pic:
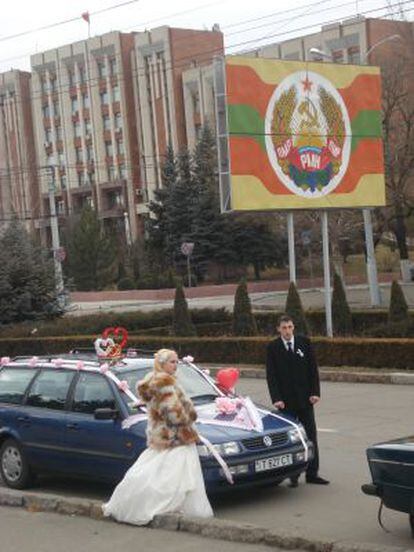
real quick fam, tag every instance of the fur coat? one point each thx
(170, 413)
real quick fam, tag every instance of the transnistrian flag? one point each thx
(304, 135)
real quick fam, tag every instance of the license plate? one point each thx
(273, 462)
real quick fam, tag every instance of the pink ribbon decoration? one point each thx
(33, 361)
(4, 360)
(80, 365)
(104, 368)
(123, 385)
(57, 362)
(188, 359)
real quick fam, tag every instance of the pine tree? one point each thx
(295, 310)
(244, 322)
(398, 310)
(91, 254)
(27, 282)
(341, 313)
(182, 324)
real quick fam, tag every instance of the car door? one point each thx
(13, 384)
(97, 448)
(45, 418)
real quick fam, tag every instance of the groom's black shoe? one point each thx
(316, 480)
(293, 482)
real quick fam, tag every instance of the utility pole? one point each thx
(54, 229)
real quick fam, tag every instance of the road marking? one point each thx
(326, 430)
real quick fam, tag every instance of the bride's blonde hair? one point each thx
(161, 357)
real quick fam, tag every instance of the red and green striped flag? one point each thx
(304, 135)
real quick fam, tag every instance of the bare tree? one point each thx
(398, 128)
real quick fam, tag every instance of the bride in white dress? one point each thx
(167, 476)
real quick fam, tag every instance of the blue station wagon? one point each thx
(57, 418)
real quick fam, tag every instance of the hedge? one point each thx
(374, 353)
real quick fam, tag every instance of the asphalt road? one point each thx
(350, 417)
(23, 531)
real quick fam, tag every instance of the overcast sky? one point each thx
(245, 24)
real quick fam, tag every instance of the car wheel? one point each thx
(14, 468)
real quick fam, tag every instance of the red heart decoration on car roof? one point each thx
(117, 332)
(227, 378)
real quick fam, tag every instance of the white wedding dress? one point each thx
(160, 482)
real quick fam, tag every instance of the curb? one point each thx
(219, 529)
(326, 374)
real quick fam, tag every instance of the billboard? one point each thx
(300, 135)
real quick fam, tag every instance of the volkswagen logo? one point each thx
(267, 441)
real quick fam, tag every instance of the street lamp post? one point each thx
(55, 230)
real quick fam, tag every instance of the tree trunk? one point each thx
(401, 233)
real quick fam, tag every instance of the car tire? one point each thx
(14, 468)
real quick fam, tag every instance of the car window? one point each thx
(194, 384)
(13, 384)
(92, 391)
(50, 388)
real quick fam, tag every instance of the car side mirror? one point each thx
(105, 414)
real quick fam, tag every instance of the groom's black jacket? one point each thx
(292, 377)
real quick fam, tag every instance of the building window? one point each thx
(111, 173)
(89, 153)
(116, 94)
(71, 77)
(104, 97)
(198, 131)
(120, 147)
(102, 69)
(196, 102)
(63, 181)
(61, 157)
(82, 76)
(61, 207)
(81, 178)
(43, 85)
(86, 104)
(123, 171)
(109, 150)
(91, 177)
(112, 66)
(77, 131)
(74, 105)
(56, 110)
(354, 55)
(46, 110)
(118, 121)
(48, 135)
(106, 122)
(338, 56)
(88, 127)
(52, 84)
(79, 155)
(50, 160)
(59, 136)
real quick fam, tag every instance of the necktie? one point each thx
(289, 347)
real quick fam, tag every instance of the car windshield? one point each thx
(195, 385)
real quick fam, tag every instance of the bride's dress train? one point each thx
(159, 482)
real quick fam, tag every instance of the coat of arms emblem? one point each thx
(308, 134)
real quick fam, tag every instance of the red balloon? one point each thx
(227, 378)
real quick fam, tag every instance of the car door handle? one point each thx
(72, 426)
(22, 418)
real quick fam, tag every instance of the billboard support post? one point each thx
(326, 274)
(291, 247)
(372, 273)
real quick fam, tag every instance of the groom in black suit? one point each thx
(293, 380)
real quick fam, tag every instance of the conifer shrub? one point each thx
(398, 310)
(295, 310)
(244, 322)
(341, 313)
(182, 324)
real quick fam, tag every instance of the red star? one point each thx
(307, 84)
